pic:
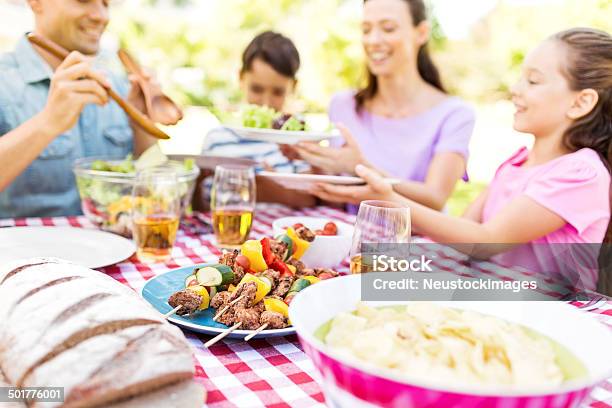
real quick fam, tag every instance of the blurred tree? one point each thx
(195, 46)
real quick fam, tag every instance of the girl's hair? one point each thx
(590, 67)
(275, 50)
(427, 70)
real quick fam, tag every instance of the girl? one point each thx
(557, 192)
(403, 122)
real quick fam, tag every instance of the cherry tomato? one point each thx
(325, 275)
(243, 261)
(297, 225)
(331, 228)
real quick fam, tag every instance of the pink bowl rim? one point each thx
(569, 386)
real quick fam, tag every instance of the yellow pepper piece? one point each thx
(263, 287)
(311, 279)
(231, 288)
(276, 305)
(299, 245)
(201, 290)
(252, 249)
(292, 268)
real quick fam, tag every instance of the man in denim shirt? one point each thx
(52, 114)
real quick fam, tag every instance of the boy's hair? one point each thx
(275, 50)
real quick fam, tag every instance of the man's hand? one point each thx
(74, 84)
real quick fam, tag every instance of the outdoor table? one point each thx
(272, 372)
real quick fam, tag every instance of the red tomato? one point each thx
(325, 275)
(297, 225)
(243, 261)
(330, 228)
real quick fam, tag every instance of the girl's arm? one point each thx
(444, 171)
(520, 221)
(474, 210)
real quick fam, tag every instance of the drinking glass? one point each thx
(232, 202)
(378, 222)
(155, 213)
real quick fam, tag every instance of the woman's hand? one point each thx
(376, 188)
(333, 160)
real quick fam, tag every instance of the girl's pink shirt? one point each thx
(576, 187)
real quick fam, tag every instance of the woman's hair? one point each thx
(427, 70)
(275, 50)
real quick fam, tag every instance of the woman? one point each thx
(402, 123)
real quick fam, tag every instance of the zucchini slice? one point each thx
(215, 275)
(190, 281)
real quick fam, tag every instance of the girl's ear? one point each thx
(583, 104)
(423, 30)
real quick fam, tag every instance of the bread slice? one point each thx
(143, 357)
(69, 326)
(186, 394)
(4, 383)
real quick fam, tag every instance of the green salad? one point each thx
(261, 117)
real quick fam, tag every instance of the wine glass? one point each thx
(378, 222)
(232, 202)
(155, 212)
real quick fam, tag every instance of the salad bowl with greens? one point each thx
(264, 124)
(105, 187)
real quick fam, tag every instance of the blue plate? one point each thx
(157, 290)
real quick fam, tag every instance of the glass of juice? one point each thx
(155, 213)
(232, 203)
(378, 222)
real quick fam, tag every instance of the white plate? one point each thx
(87, 247)
(282, 136)
(297, 181)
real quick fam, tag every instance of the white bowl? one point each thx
(348, 382)
(326, 251)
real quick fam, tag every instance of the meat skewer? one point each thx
(256, 332)
(226, 307)
(222, 335)
(173, 311)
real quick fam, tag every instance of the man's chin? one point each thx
(88, 49)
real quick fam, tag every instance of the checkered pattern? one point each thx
(264, 372)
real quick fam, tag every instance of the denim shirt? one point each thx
(47, 187)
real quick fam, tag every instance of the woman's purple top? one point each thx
(405, 147)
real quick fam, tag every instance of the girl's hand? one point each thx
(333, 160)
(376, 188)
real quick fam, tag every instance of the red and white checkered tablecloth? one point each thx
(271, 372)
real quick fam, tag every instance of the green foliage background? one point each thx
(196, 45)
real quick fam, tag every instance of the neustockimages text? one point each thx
(457, 284)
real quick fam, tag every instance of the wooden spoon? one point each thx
(61, 53)
(159, 107)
